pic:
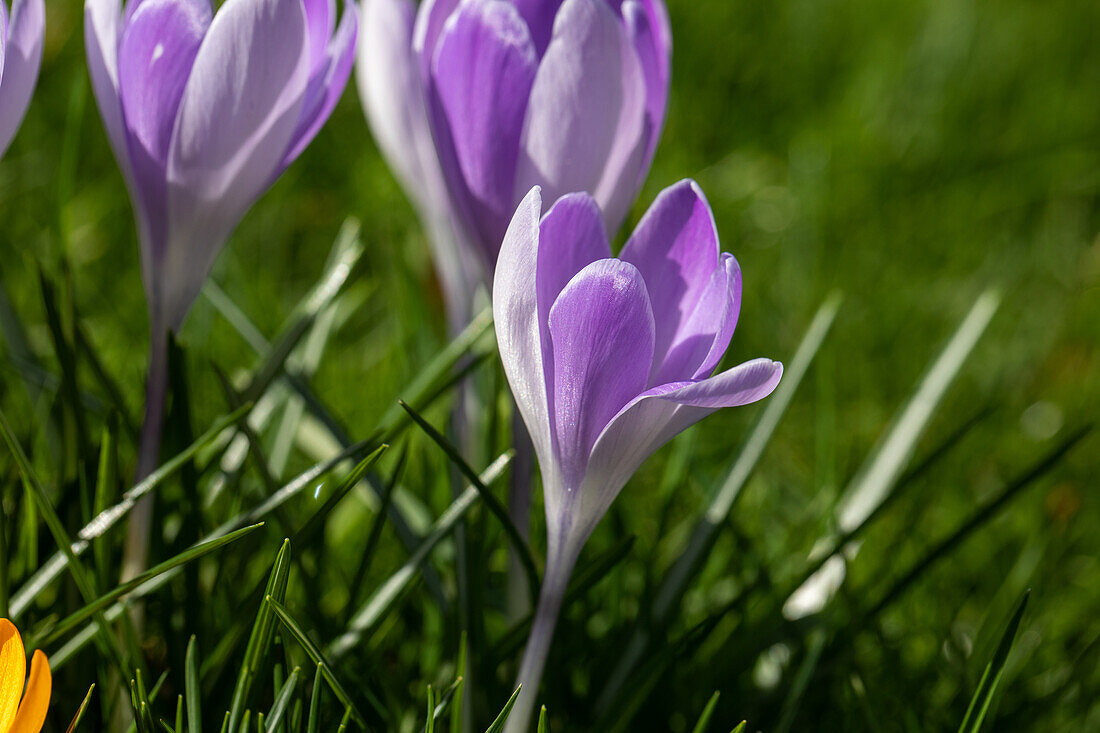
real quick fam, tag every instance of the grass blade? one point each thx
(192, 690)
(707, 714)
(282, 700)
(994, 671)
(318, 658)
(262, 632)
(498, 724)
(107, 599)
(491, 501)
(383, 600)
(107, 519)
(878, 477)
(80, 711)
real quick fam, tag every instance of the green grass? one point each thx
(910, 156)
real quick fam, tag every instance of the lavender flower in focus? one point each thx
(609, 359)
(473, 102)
(21, 36)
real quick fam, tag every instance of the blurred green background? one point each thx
(909, 154)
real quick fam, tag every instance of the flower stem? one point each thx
(136, 554)
(559, 566)
(519, 508)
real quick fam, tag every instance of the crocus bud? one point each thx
(610, 358)
(204, 111)
(21, 37)
(473, 102)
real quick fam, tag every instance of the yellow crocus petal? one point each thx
(13, 670)
(32, 711)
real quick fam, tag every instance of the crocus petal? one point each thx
(19, 61)
(655, 417)
(585, 122)
(239, 110)
(539, 16)
(675, 247)
(13, 670)
(482, 74)
(101, 29)
(430, 20)
(321, 20)
(36, 701)
(601, 328)
(155, 55)
(392, 94)
(571, 236)
(703, 337)
(655, 61)
(326, 84)
(515, 314)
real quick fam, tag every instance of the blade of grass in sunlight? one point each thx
(879, 475)
(994, 671)
(498, 724)
(367, 618)
(80, 711)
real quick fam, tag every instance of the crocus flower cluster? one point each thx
(21, 36)
(204, 111)
(473, 102)
(22, 712)
(608, 359)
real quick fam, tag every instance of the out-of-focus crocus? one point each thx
(473, 102)
(21, 36)
(204, 111)
(608, 359)
(22, 712)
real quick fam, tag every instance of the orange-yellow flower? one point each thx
(29, 716)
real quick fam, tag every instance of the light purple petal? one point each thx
(102, 19)
(655, 60)
(585, 123)
(675, 247)
(601, 328)
(482, 73)
(539, 16)
(654, 418)
(155, 54)
(430, 19)
(19, 63)
(326, 84)
(703, 337)
(239, 109)
(321, 20)
(392, 95)
(515, 315)
(571, 237)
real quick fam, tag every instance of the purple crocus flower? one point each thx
(609, 358)
(473, 102)
(204, 111)
(21, 37)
